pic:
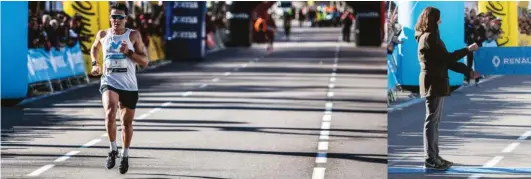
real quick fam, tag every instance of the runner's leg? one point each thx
(110, 104)
(127, 114)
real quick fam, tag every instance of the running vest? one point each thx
(119, 70)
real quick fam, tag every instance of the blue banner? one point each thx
(75, 59)
(185, 29)
(503, 60)
(14, 49)
(408, 13)
(54, 64)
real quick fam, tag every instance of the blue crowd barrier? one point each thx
(503, 60)
(55, 64)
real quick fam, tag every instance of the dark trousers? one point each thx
(346, 33)
(434, 108)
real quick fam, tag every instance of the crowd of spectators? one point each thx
(482, 28)
(53, 30)
(524, 22)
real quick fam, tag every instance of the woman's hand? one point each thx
(474, 74)
(473, 47)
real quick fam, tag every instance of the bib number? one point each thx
(116, 63)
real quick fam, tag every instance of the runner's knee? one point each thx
(110, 111)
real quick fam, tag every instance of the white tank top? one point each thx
(119, 70)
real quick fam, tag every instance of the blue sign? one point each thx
(54, 64)
(408, 13)
(185, 29)
(503, 60)
(14, 48)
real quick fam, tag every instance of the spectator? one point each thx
(482, 28)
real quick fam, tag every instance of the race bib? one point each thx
(116, 62)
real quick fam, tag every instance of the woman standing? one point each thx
(435, 61)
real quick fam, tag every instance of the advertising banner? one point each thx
(185, 29)
(95, 17)
(45, 65)
(508, 12)
(503, 60)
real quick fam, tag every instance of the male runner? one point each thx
(122, 50)
(265, 23)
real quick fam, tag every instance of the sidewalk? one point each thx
(485, 131)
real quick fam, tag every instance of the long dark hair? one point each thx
(427, 21)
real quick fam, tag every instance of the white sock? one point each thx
(113, 146)
(125, 152)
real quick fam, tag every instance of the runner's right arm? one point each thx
(95, 49)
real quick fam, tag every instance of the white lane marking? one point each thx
(244, 65)
(215, 79)
(66, 156)
(187, 93)
(322, 146)
(90, 143)
(324, 135)
(507, 149)
(491, 163)
(332, 79)
(41, 170)
(325, 126)
(335, 65)
(475, 176)
(318, 173)
(327, 117)
(153, 110)
(321, 157)
(511, 147)
(525, 135)
(143, 116)
(95, 141)
(330, 94)
(329, 106)
(333, 74)
(494, 161)
(331, 85)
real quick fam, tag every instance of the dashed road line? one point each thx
(95, 141)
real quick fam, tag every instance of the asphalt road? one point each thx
(485, 131)
(238, 115)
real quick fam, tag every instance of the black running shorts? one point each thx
(126, 98)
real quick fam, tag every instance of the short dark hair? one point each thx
(119, 6)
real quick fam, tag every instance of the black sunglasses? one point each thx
(118, 16)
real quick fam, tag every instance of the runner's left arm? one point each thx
(140, 56)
